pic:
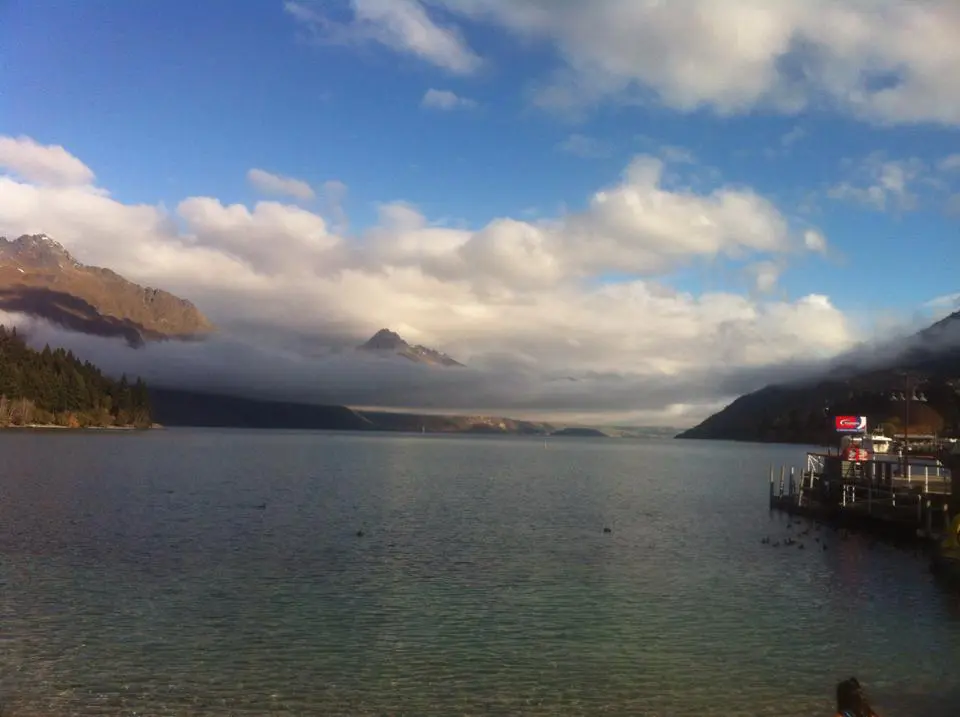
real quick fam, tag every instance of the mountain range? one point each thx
(388, 343)
(912, 384)
(40, 278)
(175, 407)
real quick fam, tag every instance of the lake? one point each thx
(184, 572)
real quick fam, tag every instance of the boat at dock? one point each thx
(879, 444)
(875, 443)
(880, 449)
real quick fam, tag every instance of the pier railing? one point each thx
(831, 487)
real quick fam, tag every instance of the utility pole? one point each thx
(910, 386)
(906, 428)
(828, 432)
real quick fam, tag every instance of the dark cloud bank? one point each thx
(257, 367)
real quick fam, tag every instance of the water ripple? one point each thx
(221, 573)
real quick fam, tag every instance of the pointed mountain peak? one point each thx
(40, 241)
(39, 277)
(385, 340)
(35, 250)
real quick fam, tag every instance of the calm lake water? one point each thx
(220, 573)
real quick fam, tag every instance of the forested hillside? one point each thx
(53, 387)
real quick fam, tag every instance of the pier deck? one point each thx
(871, 496)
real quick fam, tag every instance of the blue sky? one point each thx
(178, 99)
(172, 100)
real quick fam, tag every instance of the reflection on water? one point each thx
(215, 573)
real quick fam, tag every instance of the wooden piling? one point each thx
(771, 485)
(953, 463)
(864, 499)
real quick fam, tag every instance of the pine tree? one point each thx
(54, 385)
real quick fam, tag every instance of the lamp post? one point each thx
(828, 433)
(908, 395)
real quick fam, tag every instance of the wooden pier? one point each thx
(870, 496)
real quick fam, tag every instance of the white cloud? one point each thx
(106, 232)
(334, 196)
(765, 275)
(45, 164)
(815, 241)
(888, 61)
(677, 155)
(939, 308)
(948, 301)
(873, 195)
(887, 184)
(403, 25)
(445, 100)
(785, 145)
(522, 301)
(639, 226)
(883, 183)
(793, 136)
(950, 163)
(276, 184)
(581, 145)
(274, 239)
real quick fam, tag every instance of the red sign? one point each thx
(851, 424)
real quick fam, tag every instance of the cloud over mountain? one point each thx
(584, 295)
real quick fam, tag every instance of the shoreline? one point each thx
(56, 427)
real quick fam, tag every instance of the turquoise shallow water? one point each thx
(220, 573)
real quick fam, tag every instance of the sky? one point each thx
(656, 204)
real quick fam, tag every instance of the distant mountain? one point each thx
(176, 407)
(387, 342)
(802, 412)
(640, 431)
(581, 432)
(434, 423)
(39, 277)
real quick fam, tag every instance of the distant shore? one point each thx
(56, 427)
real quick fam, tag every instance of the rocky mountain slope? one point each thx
(927, 368)
(39, 277)
(386, 342)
